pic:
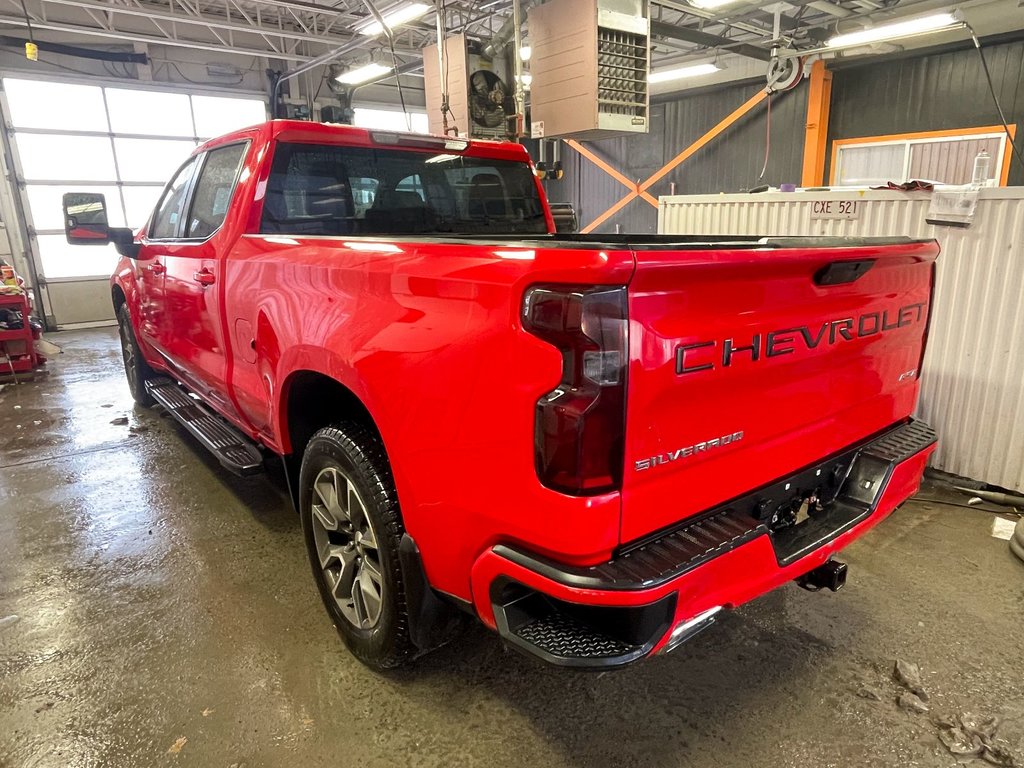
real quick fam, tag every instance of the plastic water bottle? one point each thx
(981, 164)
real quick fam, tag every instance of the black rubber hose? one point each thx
(74, 50)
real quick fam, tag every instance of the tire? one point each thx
(136, 369)
(353, 546)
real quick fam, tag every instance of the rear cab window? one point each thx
(322, 189)
(213, 190)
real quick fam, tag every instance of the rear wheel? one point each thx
(136, 369)
(352, 527)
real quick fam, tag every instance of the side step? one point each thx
(233, 450)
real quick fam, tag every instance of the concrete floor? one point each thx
(166, 615)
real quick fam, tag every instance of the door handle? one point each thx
(204, 277)
(157, 268)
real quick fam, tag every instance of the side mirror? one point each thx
(85, 223)
(85, 218)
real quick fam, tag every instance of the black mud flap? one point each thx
(433, 621)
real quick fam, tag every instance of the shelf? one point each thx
(18, 334)
(21, 365)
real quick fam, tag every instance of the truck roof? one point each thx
(332, 133)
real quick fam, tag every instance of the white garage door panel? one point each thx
(81, 302)
(122, 142)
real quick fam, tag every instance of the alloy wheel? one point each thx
(346, 545)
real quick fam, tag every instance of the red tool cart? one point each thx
(17, 345)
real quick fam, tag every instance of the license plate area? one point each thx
(816, 510)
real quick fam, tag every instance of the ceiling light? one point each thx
(362, 74)
(678, 73)
(933, 23)
(710, 4)
(525, 52)
(395, 18)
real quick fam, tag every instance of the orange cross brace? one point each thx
(640, 190)
(608, 214)
(735, 115)
(610, 170)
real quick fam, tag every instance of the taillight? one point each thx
(580, 425)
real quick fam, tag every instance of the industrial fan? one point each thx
(490, 100)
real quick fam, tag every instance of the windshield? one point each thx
(323, 189)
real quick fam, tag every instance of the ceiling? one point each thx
(296, 31)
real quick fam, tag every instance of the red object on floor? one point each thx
(17, 345)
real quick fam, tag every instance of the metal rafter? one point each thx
(269, 28)
(296, 31)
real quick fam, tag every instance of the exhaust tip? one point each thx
(830, 575)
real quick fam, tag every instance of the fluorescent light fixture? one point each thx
(710, 4)
(678, 73)
(396, 18)
(933, 23)
(362, 74)
(525, 52)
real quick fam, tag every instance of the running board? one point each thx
(233, 450)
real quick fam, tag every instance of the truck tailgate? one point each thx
(748, 363)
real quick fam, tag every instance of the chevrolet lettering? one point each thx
(704, 355)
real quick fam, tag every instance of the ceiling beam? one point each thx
(19, 21)
(706, 39)
(197, 20)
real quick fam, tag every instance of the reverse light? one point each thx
(580, 425)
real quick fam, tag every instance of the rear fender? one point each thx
(295, 360)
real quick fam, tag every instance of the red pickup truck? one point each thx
(593, 444)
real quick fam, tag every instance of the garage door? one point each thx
(125, 142)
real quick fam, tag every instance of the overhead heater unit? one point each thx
(589, 62)
(480, 96)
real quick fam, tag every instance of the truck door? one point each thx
(192, 337)
(153, 253)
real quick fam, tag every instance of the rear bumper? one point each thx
(657, 593)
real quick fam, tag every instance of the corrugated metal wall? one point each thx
(973, 381)
(731, 162)
(932, 92)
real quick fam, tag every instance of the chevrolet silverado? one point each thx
(593, 444)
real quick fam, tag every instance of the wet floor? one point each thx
(155, 610)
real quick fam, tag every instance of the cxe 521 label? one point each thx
(708, 355)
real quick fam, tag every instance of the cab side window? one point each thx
(169, 209)
(214, 190)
